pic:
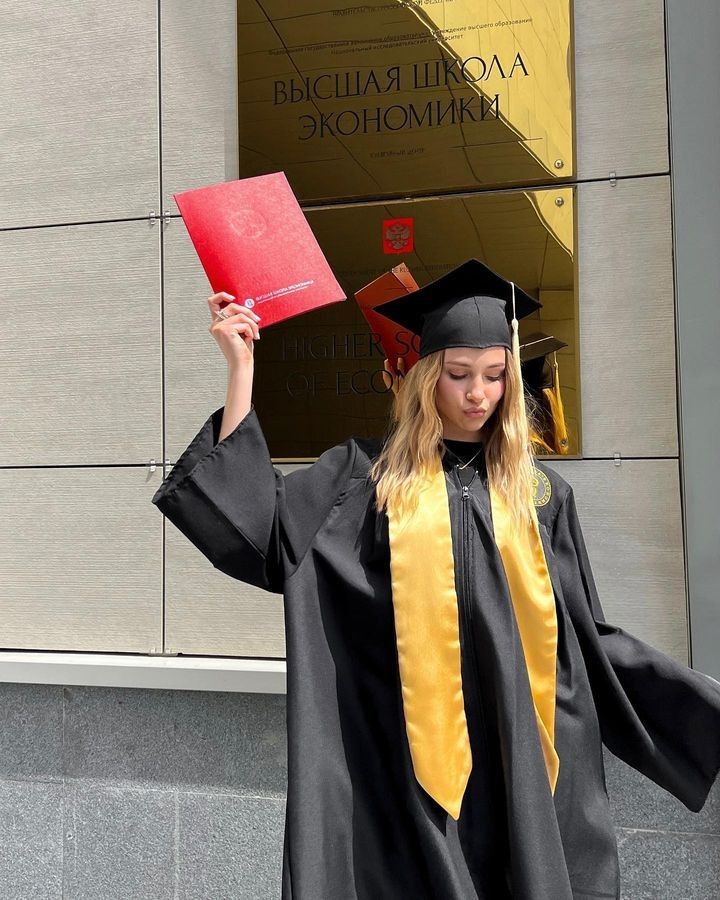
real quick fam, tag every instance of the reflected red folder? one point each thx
(254, 242)
(395, 340)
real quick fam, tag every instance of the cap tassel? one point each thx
(524, 431)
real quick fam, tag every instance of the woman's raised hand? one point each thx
(394, 379)
(235, 334)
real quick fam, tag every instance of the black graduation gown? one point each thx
(358, 824)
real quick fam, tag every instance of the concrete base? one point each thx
(121, 792)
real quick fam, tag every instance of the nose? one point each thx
(476, 393)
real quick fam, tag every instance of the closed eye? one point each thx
(490, 377)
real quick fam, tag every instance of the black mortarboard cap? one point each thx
(538, 344)
(533, 363)
(469, 306)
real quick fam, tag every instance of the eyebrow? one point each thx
(467, 365)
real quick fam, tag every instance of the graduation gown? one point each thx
(358, 824)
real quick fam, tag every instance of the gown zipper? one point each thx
(470, 645)
(465, 604)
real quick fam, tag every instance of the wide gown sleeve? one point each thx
(656, 714)
(249, 519)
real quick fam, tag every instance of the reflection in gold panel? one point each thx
(402, 98)
(318, 376)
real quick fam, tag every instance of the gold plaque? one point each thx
(407, 98)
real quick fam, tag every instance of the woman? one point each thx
(450, 673)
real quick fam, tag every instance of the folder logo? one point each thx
(398, 235)
(247, 223)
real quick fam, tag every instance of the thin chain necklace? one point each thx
(464, 465)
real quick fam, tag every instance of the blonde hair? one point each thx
(413, 442)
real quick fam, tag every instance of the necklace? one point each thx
(464, 465)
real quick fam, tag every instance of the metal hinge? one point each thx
(613, 179)
(618, 458)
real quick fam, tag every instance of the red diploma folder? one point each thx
(255, 243)
(395, 341)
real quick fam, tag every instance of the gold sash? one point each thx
(425, 608)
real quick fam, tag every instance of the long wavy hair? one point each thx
(413, 442)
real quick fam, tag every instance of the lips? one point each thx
(475, 412)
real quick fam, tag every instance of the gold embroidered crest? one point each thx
(542, 488)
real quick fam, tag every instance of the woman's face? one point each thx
(470, 386)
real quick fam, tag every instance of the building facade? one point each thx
(141, 690)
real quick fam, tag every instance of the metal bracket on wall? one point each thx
(152, 465)
(164, 217)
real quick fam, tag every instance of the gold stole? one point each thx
(425, 607)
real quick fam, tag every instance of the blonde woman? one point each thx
(451, 677)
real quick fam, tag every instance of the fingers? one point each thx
(388, 376)
(233, 315)
(231, 322)
(392, 379)
(240, 322)
(245, 329)
(216, 301)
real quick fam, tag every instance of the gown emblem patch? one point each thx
(542, 488)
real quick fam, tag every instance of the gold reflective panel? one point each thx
(404, 97)
(318, 377)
